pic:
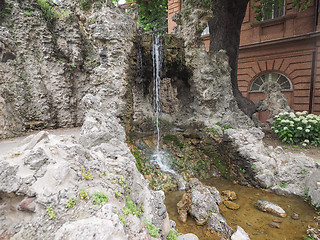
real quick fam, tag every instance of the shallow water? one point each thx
(253, 221)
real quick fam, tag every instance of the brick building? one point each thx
(284, 47)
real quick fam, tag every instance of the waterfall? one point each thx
(159, 157)
(157, 67)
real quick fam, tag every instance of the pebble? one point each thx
(295, 216)
(274, 225)
(248, 224)
(277, 221)
(231, 205)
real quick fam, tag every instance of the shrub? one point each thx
(152, 229)
(173, 235)
(99, 198)
(49, 12)
(296, 128)
(71, 202)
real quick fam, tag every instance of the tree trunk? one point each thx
(225, 28)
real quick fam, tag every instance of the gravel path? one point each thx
(8, 144)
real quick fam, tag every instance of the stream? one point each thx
(253, 221)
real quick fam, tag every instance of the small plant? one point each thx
(283, 184)
(28, 13)
(71, 202)
(152, 229)
(123, 220)
(85, 5)
(50, 213)
(303, 171)
(173, 235)
(130, 208)
(298, 127)
(84, 194)
(48, 11)
(86, 173)
(99, 198)
(102, 174)
(117, 194)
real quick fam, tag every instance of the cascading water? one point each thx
(159, 157)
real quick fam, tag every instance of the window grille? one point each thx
(259, 83)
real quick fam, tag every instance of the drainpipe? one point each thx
(316, 16)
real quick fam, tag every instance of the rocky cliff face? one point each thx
(48, 66)
(58, 187)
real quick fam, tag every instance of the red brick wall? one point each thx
(281, 45)
(174, 6)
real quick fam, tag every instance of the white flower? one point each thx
(285, 128)
(291, 122)
(285, 113)
(309, 126)
(299, 128)
(292, 115)
(276, 131)
(306, 141)
(307, 130)
(304, 121)
(299, 113)
(303, 144)
(304, 112)
(296, 119)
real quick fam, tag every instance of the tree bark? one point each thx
(225, 29)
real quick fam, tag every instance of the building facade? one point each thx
(284, 47)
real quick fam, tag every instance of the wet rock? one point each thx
(183, 205)
(240, 234)
(27, 205)
(216, 223)
(188, 236)
(231, 205)
(313, 233)
(295, 216)
(274, 225)
(270, 207)
(277, 221)
(228, 195)
(204, 199)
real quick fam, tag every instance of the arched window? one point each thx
(259, 83)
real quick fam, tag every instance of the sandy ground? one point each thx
(8, 144)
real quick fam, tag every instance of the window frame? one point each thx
(264, 81)
(273, 11)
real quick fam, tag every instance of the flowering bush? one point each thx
(295, 128)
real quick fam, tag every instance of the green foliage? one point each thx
(84, 194)
(100, 198)
(172, 138)
(5, 9)
(85, 5)
(283, 184)
(86, 173)
(152, 229)
(123, 220)
(173, 235)
(50, 213)
(71, 202)
(117, 194)
(153, 15)
(300, 128)
(215, 130)
(49, 13)
(130, 208)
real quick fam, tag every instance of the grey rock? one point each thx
(204, 199)
(270, 207)
(91, 228)
(219, 225)
(188, 236)
(240, 234)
